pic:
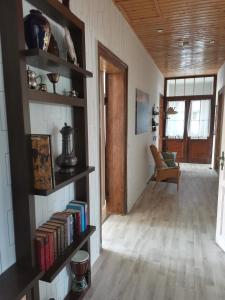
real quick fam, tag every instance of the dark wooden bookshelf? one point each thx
(58, 12)
(62, 180)
(65, 258)
(16, 281)
(45, 97)
(49, 62)
(22, 278)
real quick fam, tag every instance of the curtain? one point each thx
(175, 123)
(199, 119)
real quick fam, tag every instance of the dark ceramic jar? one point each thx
(37, 30)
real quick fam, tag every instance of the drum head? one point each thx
(80, 256)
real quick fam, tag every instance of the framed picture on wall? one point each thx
(142, 112)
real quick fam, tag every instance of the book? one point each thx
(56, 227)
(43, 176)
(76, 221)
(79, 207)
(71, 224)
(63, 216)
(51, 245)
(63, 236)
(54, 237)
(46, 248)
(40, 253)
(85, 210)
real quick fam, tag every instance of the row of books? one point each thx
(53, 237)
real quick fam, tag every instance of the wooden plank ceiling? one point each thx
(184, 37)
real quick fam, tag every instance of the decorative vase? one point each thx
(37, 30)
(67, 160)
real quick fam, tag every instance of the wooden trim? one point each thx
(189, 76)
(188, 98)
(218, 127)
(117, 62)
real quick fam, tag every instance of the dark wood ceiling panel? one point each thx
(184, 47)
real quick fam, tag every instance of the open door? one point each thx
(220, 229)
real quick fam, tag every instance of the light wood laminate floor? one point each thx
(165, 248)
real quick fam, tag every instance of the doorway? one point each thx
(189, 122)
(113, 133)
(219, 126)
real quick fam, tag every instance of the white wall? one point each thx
(104, 23)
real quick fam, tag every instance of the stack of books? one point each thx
(63, 228)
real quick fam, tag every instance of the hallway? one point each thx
(165, 248)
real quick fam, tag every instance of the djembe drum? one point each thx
(79, 266)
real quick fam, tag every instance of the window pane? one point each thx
(175, 123)
(199, 85)
(199, 119)
(179, 87)
(170, 87)
(189, 86)
(208, 86)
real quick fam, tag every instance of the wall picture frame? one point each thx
(142, 123)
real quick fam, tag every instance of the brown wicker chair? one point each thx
(162, 171)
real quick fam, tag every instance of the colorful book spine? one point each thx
(50, 245)
(85, 210)
(79, 207)
(63, 216)
(40, 253)
(76, 221)
(46, 249)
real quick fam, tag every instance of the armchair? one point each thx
(162, 171)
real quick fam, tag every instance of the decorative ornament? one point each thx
(67, 160)
(37, 30)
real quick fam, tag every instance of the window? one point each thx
(199, 119)
(190, 86)
(175, 123)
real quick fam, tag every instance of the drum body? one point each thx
(79, 266)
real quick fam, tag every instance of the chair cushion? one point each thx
(170, 158)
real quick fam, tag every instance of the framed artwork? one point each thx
(43, 175)
(142, 112)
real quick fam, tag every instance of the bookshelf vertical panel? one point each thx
(14, 67)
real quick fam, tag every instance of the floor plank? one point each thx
(165, 248)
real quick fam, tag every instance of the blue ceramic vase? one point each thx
(37, 30)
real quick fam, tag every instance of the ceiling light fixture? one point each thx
(212, 42)
(160, 30)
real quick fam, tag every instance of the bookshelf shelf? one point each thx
(64, 259)
(45, 97)
(17, 280)
(61, 180)
(59, 13)
(49, 62)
